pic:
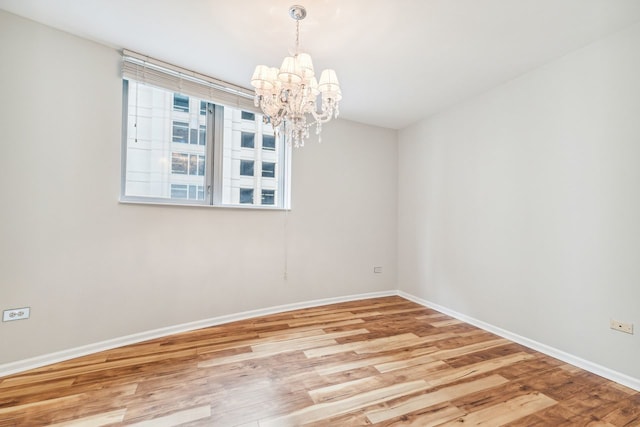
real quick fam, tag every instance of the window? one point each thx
(246, 195)
(196, 164)
(179, 191)
(187, 164)
(268, 197)
(179, 163)
(246, 167)
(247, 140)
(183, 191)
(185, 148)
(181, 132)
(268, 170)
(268, 142)
(180, 103)
(202, 137)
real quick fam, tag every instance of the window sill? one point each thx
(159, 202)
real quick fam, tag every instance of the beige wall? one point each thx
(521, 207)
(92, 269)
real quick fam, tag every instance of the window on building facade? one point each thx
(184, 191)
(181, 103)
(246, 195)
(187, 164)
(246, 167)
(268, 197)
(202, 136)
(179, 163)
(268, 142)
(185, 149)
(179, 191)
(180, 132)
(268, 170)
(248, 140)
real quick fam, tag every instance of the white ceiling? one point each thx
(397, 60)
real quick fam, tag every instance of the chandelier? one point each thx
(288, 96)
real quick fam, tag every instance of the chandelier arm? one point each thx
(323, 116)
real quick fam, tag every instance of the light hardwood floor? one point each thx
(384, 361)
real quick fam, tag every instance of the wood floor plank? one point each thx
(470, 348)
(343, 365)
(263, 354)
(503, 413)
(97, 420)
(415, 403)
(466, 372)
(431, 316)
(430, 417)
(176, 418)
(444, 323)
(6, 412)
(311, 328)
(345, 389)
(325, 318)
(73, 406)
(264, 338)
(301, 342)
(369, 346)
(12, 393)
(625, 412)
(424, 364)
(392, 312)
(384, 361)
(73, 371)
(438, 355)
(320, 411)
(376, 345)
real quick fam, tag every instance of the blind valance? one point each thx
(158, 73)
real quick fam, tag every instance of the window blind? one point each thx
(154, 72)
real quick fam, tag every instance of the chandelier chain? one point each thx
(297, 36)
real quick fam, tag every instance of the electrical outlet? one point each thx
(621, 326)
(377, 270)
(16, 314)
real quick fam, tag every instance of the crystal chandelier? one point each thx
(288, 95)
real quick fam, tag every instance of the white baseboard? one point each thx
(60, 356)
(47, 359)
(600, 370)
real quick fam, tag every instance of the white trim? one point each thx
(60, 356)
(587, 365)
(47, 359)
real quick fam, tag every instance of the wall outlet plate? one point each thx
(621, 326)
(16, 314)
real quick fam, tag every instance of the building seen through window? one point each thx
(268, 197)
(180, 103)
(170, 148)
(248, 140)
(246, 167)
(246, 195)
(268, 142)
(268, 170)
